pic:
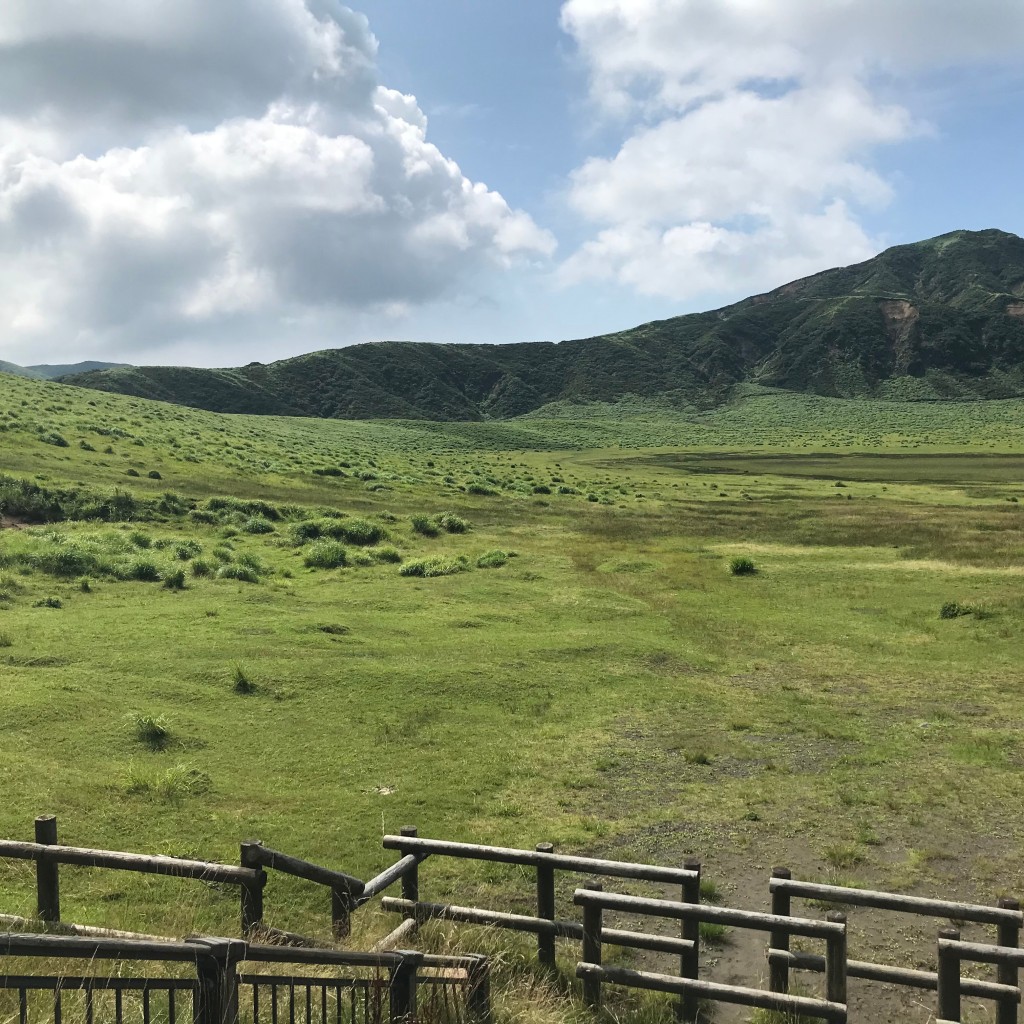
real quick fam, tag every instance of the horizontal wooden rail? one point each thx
(981, 952)
(290, 865)
(32, 924)
(474, 915)
(389, 876)
(65, 982)
(78, 947)
(537, 925)
(143, 862)
(926, 980)
(783, 1002)
(703, 912)
(897, 902)
(535, 858)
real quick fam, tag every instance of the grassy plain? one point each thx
(609, 685)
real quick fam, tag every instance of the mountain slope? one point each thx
(53, 370)
(942, 318)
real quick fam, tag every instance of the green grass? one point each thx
(612, 689)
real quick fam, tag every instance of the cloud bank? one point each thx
(750, 127)
(199, 169)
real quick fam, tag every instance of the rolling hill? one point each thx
(938, 319)
(51, 371)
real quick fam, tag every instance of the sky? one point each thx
(186, 182)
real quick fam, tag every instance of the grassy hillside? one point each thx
(941, 319)
(514, 632)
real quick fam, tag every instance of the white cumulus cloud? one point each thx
(195, 168)
(749, 129)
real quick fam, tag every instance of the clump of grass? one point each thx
(241, 682)
(326, 554)
(200, 567)
(5, 640)
(714, 934)
(187, 550)
(48, 602)
(257, 524)
(492, 559)
(85, 585)
(175, 580)
(388, 554)
(237, 571)
(153, 730)
(697, 757)
(424, 526)
(173, 784)
(742, 566)
(438, 566)
(143, 570)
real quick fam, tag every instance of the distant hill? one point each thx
(50, 371)
(18, 371)
(943, 318)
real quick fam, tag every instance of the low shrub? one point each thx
(492, 559)
(742, 567)
(326, 554)
(954, 610)
(452, 523)
(257, 524)
(187, 550)
(153, 730)
(388, 554)
(142, 570)
(241, 683)
(48, 602)
(234, 571)
(438, 566)
(200, 567)
(175, 580)
(52, 437)
(424, 526)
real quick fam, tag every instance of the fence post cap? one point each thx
(781, 872)
(1009, 903)
(836, 917)
(545, 847)
(949, 933)
(592, 883)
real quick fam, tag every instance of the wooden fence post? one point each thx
(411, 879)
(689, 962)
(592, 925)
(778, 970)
(402, 989)
(546, 907)
(949, 978)
(47, 876)
(479, 996)
(252, 892)
(1007, 974)
(218, 981)
(835, 961)
(341, 913)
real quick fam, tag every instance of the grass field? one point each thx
(566, 656)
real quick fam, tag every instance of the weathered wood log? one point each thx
(778, 970)
(145, 863)
(895, 901)
(474, 915)
(47, 877)
(592, 928)
(290, 865)
(949, 975)
(30, 924)
(835, 961)
(546, 907)
(531, 858)
(390, 941)
(1007, 972)
(980, 952)
(388, 877)
(703, 912)
(925, 980)
(822, 1009)
(688, 1007)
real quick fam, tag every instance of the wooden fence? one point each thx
(362, 988)
(348, 893)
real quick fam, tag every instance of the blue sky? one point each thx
(210, 184)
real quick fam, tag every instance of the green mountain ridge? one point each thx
(51, 371)
(938, 319)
